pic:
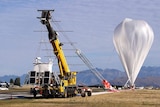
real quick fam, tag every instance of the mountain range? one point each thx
(148, 76)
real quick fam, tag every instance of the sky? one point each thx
(92, 23)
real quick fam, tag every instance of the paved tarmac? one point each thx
(28, 95)
(15, 95)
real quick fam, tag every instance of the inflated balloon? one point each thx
(132, 40)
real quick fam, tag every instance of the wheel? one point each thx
(34, 92)
(45, 93)
(83, 94)
(53, 93)
(89, 93)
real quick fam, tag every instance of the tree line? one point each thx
(15, 82)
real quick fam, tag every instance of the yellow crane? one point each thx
(65, 86)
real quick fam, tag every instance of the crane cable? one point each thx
(81, 55)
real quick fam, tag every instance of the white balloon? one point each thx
(132, 40)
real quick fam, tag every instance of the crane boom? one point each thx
(105, 83)
(63, 85)
(67, 78)
(57, 46)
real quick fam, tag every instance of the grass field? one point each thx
(130, 98)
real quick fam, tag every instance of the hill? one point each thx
(148, 76)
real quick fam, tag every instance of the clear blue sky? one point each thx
(92, 23)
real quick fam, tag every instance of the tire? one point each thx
(53, 93)
(45, 93)
(34, 93)
(83, 94)
(89, 93)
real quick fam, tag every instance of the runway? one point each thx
(20, 95)
(15, 95)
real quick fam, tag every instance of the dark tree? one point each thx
(17, 81)
(11, 81)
